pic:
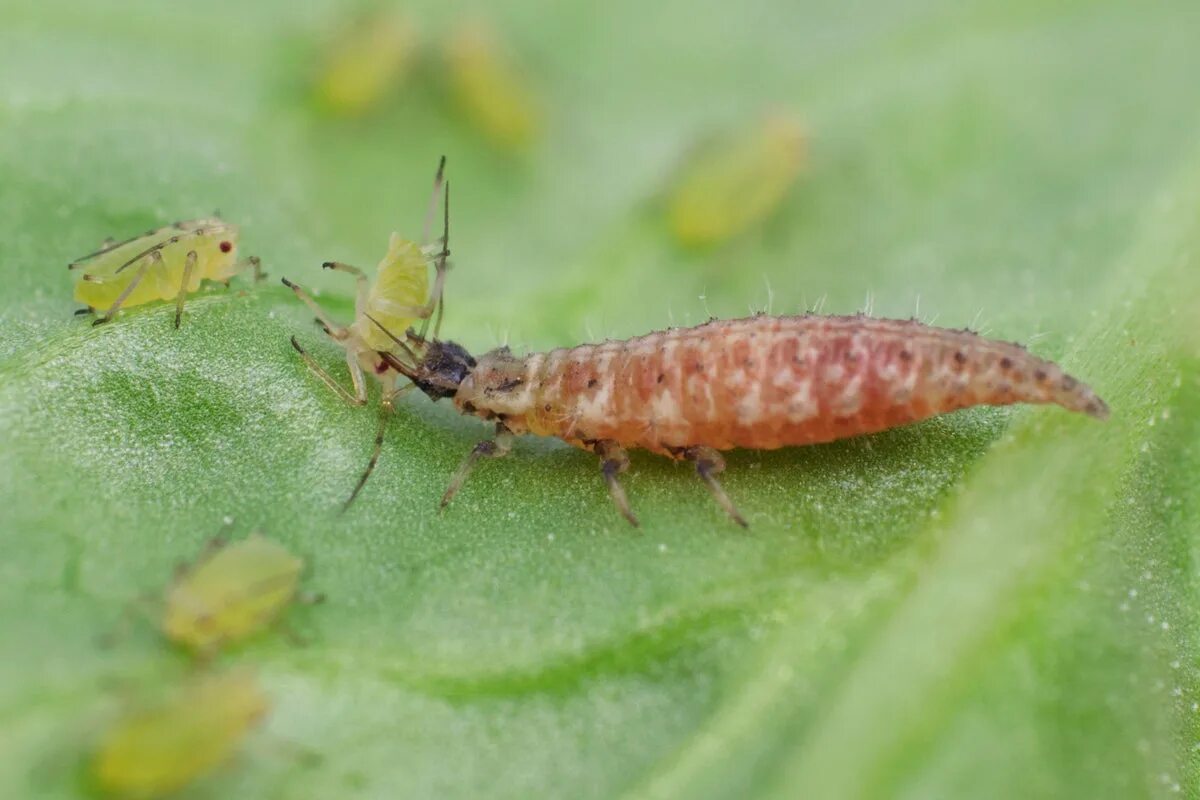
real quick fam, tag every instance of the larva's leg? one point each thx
(331, 327)
(360, 298)
(496, 447)
(615, 461)
(188, 266)
(155, 259)
(709, 463)
(356, 376)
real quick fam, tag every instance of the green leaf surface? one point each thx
(998, 603)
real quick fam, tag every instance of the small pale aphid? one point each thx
(760, 383)
(231, 592)
(164, 264)
(735, 182)
(162, 746)
(488, 88)
(397, 299)
(365, 61)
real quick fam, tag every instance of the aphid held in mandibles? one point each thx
(762, 382)
(164, 264)
(231, 592)
(735, 181)
(396, 299)
(163, 745)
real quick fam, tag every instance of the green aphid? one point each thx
(231, 592)
(161, 746)
(735, 182)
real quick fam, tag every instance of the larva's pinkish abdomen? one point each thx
(762, 382)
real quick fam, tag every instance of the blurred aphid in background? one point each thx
(164, 264)
(161, 745)
(489, 89)
(736, 181)
(231, 592)
(368, 59)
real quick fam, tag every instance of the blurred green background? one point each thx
(994, 604)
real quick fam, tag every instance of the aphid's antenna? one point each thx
(433, 201)
(401, 344)
(439, 283)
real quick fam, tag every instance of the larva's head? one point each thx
(443, 366)
(435, 367)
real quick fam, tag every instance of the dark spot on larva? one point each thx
(661, 377)
(748, 363)
(1069, 383)
(226, 246)
(546, 408)
(510, 384)
(960, 357)
(469, 408)
(592, 383)
(798, 360)
(905, 355)
(697, 367)
(1006, 363)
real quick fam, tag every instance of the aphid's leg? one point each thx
(188, 266)
(385, 413)
(146, 605)
(496, 447)
(360, 386)
(616, 461)
(709, 463)
(83, 312)
(253, 262)
(360, 298)
(155, 260)
(335, 330)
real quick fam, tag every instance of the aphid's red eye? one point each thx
(226, 246)
(381, 367)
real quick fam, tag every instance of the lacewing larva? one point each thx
(735, 182)
(761, 383)
(366, 60)
(164, 264)
(396, 299)
(161, 746)
(231, 592)
(489, 89)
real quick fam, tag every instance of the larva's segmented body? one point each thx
(763, 382)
